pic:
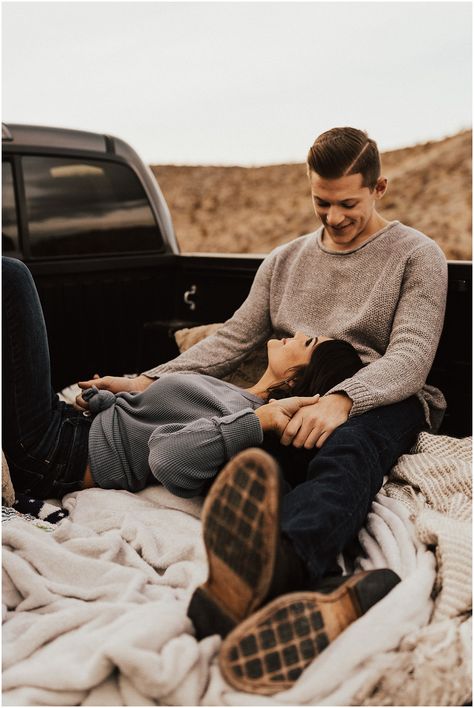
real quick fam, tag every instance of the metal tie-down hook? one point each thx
(187, 297)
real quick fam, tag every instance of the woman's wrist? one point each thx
(266, 418)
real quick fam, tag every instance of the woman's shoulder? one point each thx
(187, 380)
(206, 386)
(180, 379)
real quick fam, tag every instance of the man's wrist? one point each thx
(344, 400)
(145, 381)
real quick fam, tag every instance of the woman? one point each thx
(179, 431)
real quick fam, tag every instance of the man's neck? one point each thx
(379, 223)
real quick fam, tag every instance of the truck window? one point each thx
(10, 245)
(81, 207)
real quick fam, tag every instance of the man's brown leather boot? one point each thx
(269, 650)
(249, 561)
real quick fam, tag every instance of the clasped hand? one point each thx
(305, 421)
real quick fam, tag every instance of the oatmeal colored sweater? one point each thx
(387, 297)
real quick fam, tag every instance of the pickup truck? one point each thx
(88, 218)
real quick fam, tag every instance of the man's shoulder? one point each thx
(409, 240)
(409, 232)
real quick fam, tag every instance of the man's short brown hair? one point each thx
(345, 151)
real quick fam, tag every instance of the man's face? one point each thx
(347, 209)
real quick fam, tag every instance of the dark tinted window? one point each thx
(10, 246)
(78, 207)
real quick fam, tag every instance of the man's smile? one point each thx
(338, 228)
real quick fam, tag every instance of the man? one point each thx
(381, 286)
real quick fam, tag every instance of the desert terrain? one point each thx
(254, 209)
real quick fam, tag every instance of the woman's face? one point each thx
(283, 354)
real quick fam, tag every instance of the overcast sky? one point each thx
(238, 82)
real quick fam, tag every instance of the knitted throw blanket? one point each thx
(435, 484)
(432, 665)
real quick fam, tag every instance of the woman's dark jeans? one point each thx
(335, 485)
(45, 440)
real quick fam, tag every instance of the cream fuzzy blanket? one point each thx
(95, 610)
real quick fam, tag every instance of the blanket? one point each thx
(94, 609)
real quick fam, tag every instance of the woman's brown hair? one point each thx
(332, 361)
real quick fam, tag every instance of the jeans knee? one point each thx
(352, 460)
(13, 265)
(15, 273)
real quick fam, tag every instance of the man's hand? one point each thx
(275, 415)
(312, 425)
(115, 384)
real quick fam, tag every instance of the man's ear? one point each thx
(381, 187)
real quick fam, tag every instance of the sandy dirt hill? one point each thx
(253, 209)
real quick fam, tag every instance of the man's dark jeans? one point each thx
(45, 440)
(335, 485)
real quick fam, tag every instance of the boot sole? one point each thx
(269, 651)
(240, 528)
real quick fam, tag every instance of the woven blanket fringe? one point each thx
(431, 668)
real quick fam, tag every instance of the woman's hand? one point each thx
(275, 415)
(115, 384)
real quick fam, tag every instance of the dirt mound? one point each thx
(254, 209)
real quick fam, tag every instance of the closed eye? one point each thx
(325, 205)
(311, 339)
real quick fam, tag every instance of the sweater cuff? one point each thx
(155, 372)
(98, 400)
(362, 400)
(239, 431)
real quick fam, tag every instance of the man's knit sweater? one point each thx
(387, 297)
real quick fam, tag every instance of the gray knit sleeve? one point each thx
(186, 458)
(416, 330)
(98, 400)
(250, 326)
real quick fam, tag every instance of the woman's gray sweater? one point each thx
(180, 431)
